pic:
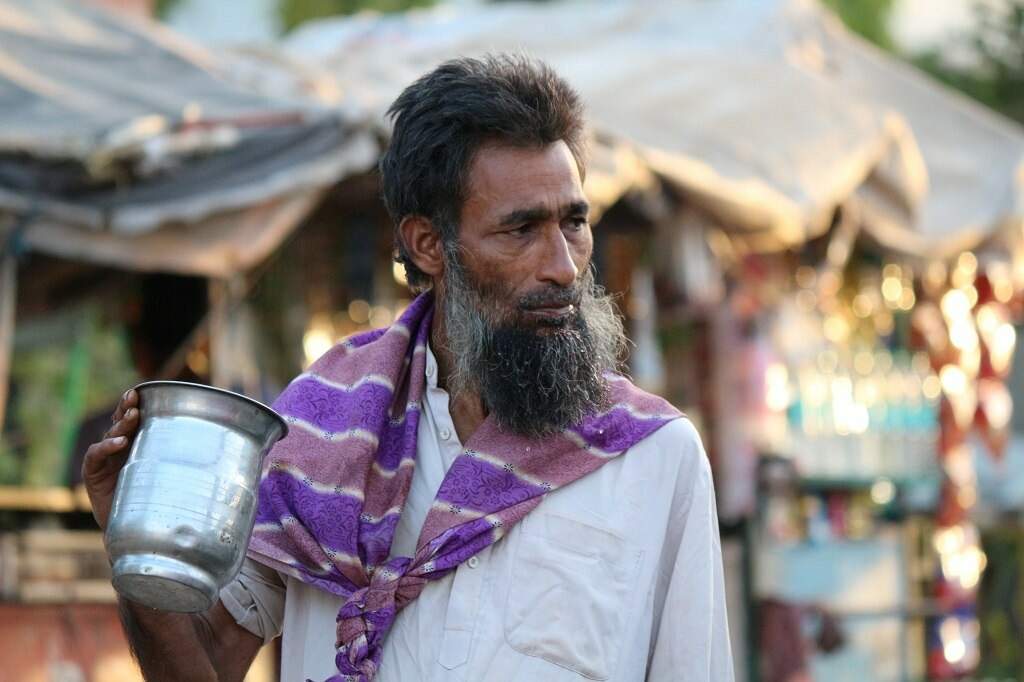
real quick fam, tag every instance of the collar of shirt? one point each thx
(431, 370)
(437, 415)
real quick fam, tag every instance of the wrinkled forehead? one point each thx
(503, 179)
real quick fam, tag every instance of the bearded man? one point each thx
(473, 493)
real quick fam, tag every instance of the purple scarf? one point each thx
(333, 489)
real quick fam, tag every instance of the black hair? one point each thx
(444, 117)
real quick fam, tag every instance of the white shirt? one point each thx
(617, 576)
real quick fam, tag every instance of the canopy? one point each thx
(122, 144)
(765, 114)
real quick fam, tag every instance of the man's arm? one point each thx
(179, 647)
(691, 630)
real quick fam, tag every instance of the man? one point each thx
(471, 494)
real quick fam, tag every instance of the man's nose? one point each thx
(557, 264)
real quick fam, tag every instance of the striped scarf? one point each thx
(333, 489)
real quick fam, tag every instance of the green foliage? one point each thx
(161, 8)
(1001, 604)
(998, 77)
(64, 368)
(295, 12)
(867, 17)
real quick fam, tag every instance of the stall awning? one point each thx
(766, 114)
(122, 144)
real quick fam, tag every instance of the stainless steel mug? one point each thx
(185, 503)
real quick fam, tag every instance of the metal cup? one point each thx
(185, 502)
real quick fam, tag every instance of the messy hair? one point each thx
(447, 115)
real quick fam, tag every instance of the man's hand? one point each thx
(103, 460)
(199, 647)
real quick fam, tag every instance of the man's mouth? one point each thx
(551, 316)
(552, 311)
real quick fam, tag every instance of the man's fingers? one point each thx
(98, 453)
(120, 409)
(128, 400)
(126, 425)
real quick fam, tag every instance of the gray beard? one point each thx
(536, 378)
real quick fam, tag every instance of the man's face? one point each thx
(524, 236)
(525, 325)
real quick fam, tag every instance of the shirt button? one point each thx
(446, 434)
(430, 371)
(473, 562)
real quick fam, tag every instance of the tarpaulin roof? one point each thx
(126, 145)
(766, 114)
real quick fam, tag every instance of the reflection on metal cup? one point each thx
(185, 502)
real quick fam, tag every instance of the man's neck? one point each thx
(466, 407)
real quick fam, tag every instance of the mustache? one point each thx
(552, 296)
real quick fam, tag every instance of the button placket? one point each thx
(461, 619)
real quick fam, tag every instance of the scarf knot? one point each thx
(367, 615)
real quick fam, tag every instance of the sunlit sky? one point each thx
(216, 22)
(921, 24)
(915, 24)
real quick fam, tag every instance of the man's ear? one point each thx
(423, 244)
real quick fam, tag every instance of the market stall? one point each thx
(879, 385)
(163, 164)
(141, 192)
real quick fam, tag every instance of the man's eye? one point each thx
(578, 223)
(520, 231)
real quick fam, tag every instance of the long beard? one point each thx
(535, 377)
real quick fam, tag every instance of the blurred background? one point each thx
(812, 214)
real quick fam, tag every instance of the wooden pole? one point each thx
(8, 302)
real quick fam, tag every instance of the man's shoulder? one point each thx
(677, 439)
(677, 434)
(674, 454)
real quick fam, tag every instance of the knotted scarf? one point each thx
(332, 490)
